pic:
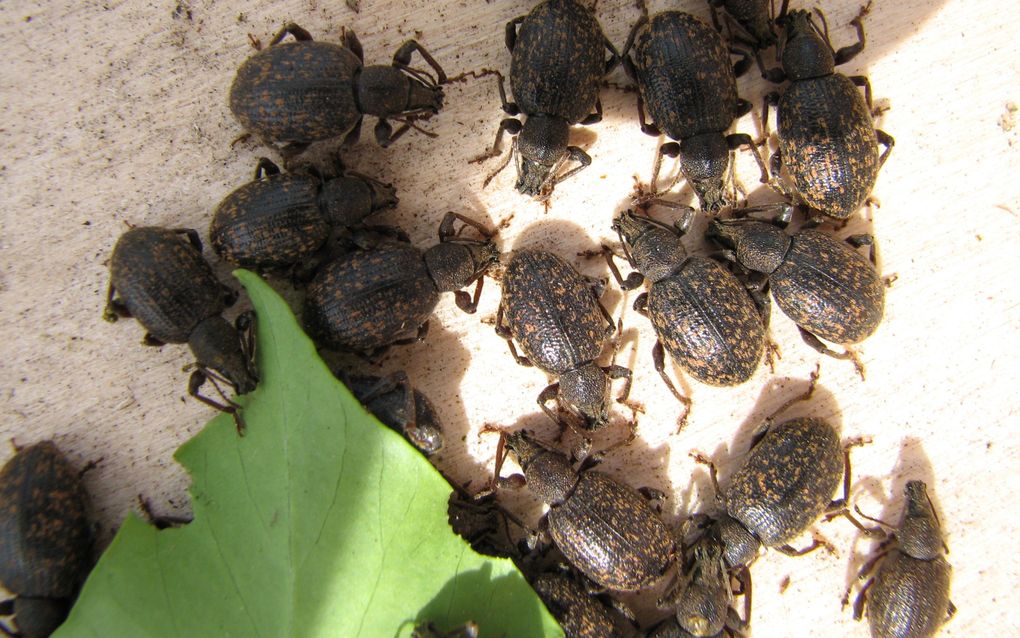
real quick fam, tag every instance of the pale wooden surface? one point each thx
(117, 113)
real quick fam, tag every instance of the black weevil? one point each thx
(368, 299)
(908, 597)
(300, 92)
(557, 60)
(45, 538)
(702, 600)
(607, 530)
(825, 286)
(555, 315)
(687, 81)
(827, 138)
(577, 611)
(159, 277)
(400, 407)
(705, 318)
(752, 16)
(281, 220)
(784, 484)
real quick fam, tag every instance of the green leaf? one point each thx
(320, 521)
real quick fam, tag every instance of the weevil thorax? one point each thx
(740, 546)
(806, 54)
(384, 90)
(541, 145)
(217, 346)
(759, 246)
(548, 473)
(657, 251)
(753, 16)
(586, 390)
(704, 159)
(348, 200)
(704, 602)
(919, 534)
(453, 265)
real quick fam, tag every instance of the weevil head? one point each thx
(541, 147)
(217, 346)
(703, 160)
(920, 535)
(657, 251)
(585, 390)
(548, 473)
(758, 246)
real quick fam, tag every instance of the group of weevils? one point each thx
(368, 288)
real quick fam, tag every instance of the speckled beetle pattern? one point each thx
(825, 286)
(557, 60)
(703, 316)
(45, 537)
(687, 82)
(295, 93)
(280, 220)
(578, 613)
(368, 299)
(159, 277)
(827, 139)
(555, 315)
(605, 529)
(908, 596)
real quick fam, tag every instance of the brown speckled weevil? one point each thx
(557, 60)
(283, 220)
(607, 530)
(703, 598)
(825, 286)
(295, 93)
(784, 484)
(687, 81)
(827, 138)
(45, 539)
(702, 314)
(159, 277)
(555, 315)
(579, 613)
(908, 597)
(368, 299)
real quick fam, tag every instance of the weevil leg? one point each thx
(628, 63)
(153, 342)
(888, 142)
(419, 336)
(659, 361)
(862, 599)
(577, 155)
(770, 99)
(354, 134)
(551, 393)
(863, 82)
(741, 66)
(467, 302)
(195, 382)
(503, 331)
(648, 128)
(848, 53)
(402, 59)
(847, 354)
(736, 140)
(634, 279)
(115, 308)
(192, 236)
(743, 577)
(509, 125)
(713, 473)
(293, 29)
(614, 56)
(266, 166)
(864, 239)
(804, 396)
(815, 544)
(511, 32)
(620, 372)
(596, 117)
(350, 41)
(950, 611)
(447, 232)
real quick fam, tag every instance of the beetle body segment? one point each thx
(45, 538)
(787, 480)
(297, 92)
(707, 322)
(551, 311)
(557, 61)
(270, 223)
(685, 75)
(578, 613)
(828, 143)
(164, 282)
(370, 298)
